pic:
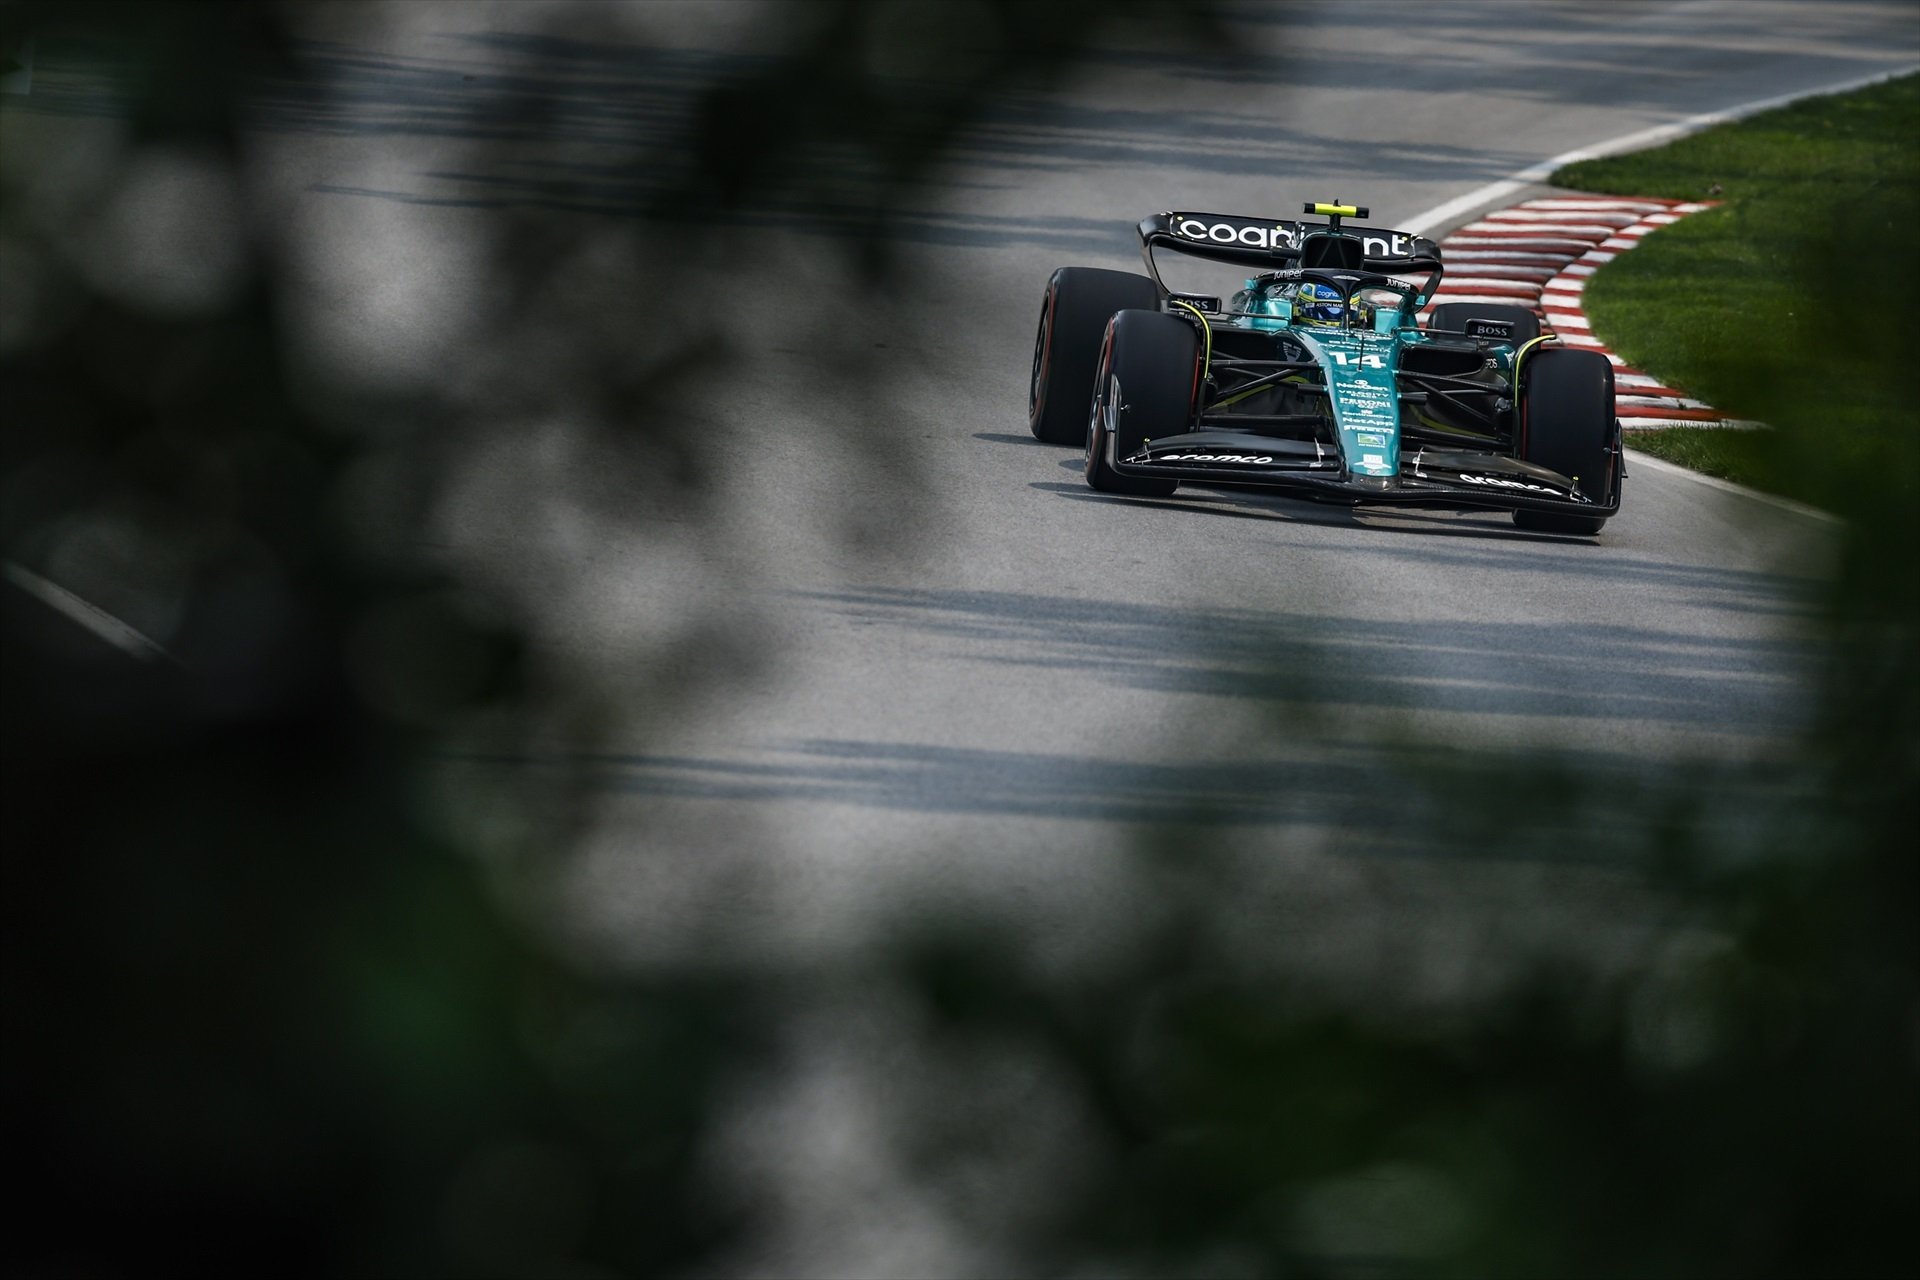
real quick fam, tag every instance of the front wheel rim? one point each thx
(1040, 344)
(1102, 372)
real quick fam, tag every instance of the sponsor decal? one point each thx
(1394, 246)
(1251, 234)
(1279, 235)
(1369, 440)
(1498, 330)
(1373, 460)
(1253, 458)
(1502, 482)
(1203, 301)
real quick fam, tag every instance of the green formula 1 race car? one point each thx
(1315, 378)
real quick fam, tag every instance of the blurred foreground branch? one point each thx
(264, 1013)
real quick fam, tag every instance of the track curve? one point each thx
(954, 670)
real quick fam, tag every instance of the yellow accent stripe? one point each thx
(1344, 210)
(1238, 396)
(1525, 348)
(1206, 366)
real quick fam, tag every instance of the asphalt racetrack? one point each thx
(900, 651)
(892, 649)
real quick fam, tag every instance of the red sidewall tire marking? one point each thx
(1038, 407)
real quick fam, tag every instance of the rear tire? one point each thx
(1147, 375)
(1567, 425)
(1453, 317)
(1073, 318)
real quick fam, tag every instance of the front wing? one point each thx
(1448, 478)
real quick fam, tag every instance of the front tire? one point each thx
(1567, 425)
(1147, 376)
(1073, 318)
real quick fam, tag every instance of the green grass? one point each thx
(1732, 455)
(1792, 302)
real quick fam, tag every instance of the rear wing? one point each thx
(1270, 245)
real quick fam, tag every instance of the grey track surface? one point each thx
(968, 695)
(964, 673)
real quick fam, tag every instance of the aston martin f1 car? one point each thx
(1316, 378)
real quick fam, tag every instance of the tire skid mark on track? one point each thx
(1540, 253)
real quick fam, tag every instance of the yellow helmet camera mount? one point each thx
(1334, 212)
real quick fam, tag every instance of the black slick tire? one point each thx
(1567, 425)
(1453, 317)
(1073, 318)
(1146, 377)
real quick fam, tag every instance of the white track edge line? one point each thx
(1520, 181)
(91, 616)
(1638, 459)
(1627, 142)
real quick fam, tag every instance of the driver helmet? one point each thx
(1319, 304)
